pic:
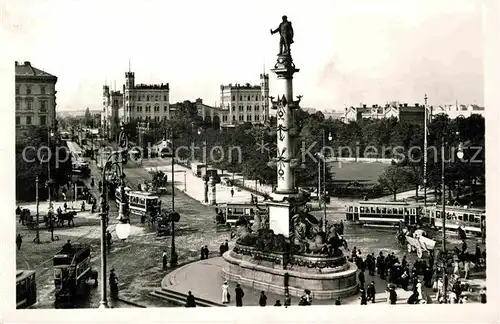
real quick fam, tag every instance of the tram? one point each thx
(383, 213)
(471, 220)
(232, 212)
(139, 202)
(72, 270)
(25, 288)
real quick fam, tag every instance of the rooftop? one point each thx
(26, 70)
(152, 86)
(239, 86)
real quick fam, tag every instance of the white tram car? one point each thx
(471, 220)
(383, 213)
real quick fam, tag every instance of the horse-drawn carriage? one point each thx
(419, 242)
(26, 218)
(51, 219)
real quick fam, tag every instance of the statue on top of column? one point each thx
(286, 36)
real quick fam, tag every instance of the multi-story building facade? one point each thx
(401, 111)
(146, 102)
(456, 110)
(35, 98)
(245, 103)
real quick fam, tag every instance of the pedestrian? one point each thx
(190, 300)
(393, 296)
(288, 300)
(92, 182)
(405, 278)
(413, 299)
(278, 303)
(466, 269)
(456, 269)
(221, 249)
(337, 301)
(19, 241)
(262, 299)
(361, 278)
(113, 283)
(83, 206)
(65, 206)
(226, 246)
(232, 192)
(202, 252)
(483, 296)
(206, 251)
(370, 292)
(362, 296)
(164, 260)
(239, 295)
(225, 293)
(108, 239)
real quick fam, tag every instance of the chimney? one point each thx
(416, 105)
(405, 104)
(27, 63)
(17, 63)
(364, 106)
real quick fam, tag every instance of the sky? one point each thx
(348, 51)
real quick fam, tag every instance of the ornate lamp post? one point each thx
(37, 238)
(50, 134)
(123, 227)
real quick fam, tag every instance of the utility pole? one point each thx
(443, 217)
(425, 157)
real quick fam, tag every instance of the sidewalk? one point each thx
(203, 278)
(43, 207)
(195, 186)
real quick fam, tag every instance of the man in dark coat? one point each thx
(226, 246)
(370, 292)
(361, 278)
(239, 295)
(19, 241)
(262, 299)
(164, 260)
(393, 296)
(190, 301)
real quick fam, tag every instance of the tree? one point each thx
(158, 179)
(394, 178)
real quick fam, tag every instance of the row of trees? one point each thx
(248, 148)
(34, 154)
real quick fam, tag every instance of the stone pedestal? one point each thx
(326, 277)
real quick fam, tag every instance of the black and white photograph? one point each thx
(225, 154)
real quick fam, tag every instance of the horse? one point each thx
(69, 216)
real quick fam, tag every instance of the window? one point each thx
(157, 109)
(18, 104)
(249, 108)
(256, 97)
(18, 120)
(257, 117)
(29, 104)
(248, 98)
(156, 98)
(42, 90)
(256, 108)
(240, 108)
(233, 98)
(165, 108)
(28, 120)
(157, 118)
(43, 105)
(43, 120)
(249, 117)
(240, 118)
(234, 118)
(28, 90)
(147, 98)
(148, 109)
(17, 90)
(241, 97)
(165, 98)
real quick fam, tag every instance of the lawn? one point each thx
(365, 173)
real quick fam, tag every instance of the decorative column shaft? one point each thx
(284, 106)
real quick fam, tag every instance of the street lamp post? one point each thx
(49, 182)
(37, 238)
(122, 228)
(205, 177)
(173, 253)
(324, 179)
(443, 217)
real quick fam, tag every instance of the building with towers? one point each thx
(146, 102)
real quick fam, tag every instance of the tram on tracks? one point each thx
(383, 213)
(72, 271)
(471, 220)
(140, 203)
(25, 288)
(229, 213)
